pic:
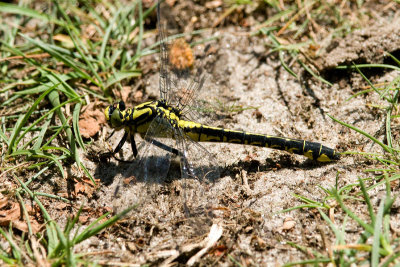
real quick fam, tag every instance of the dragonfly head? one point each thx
(114, 115)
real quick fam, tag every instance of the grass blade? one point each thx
(385, 147)
(375, 255)
(14, 9)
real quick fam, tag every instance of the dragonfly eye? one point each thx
(114, 115)
(121, 105)
(116, 118)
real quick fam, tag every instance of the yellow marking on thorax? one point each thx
(171, 116)
(142, 124)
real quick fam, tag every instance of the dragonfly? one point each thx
(169, 130)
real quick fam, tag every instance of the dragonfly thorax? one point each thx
(165, 106)
(169, 113)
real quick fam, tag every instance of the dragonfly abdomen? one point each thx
(311, 150)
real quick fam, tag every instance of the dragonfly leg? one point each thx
(110, 135)
(133, 145)
(121, 143)
(165, 147)
(106, 156)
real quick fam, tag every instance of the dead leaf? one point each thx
(65, 40)
(13, 215)
(90, 182)
(170, 2)
(138, 96)
(108, 209)
(9, 215)
(79, 188)
(3, 201)
(218, 251)
(129, 180)
(23, 226)
(61, 206)
(85, 186)
(83, 219)
(90, 121)
(126, 90)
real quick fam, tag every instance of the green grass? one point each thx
(57, 243)
(73, 57)
(55, 88)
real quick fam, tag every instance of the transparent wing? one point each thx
(178, 83)
(148, 173)
(184, 95)
(155, 156)
(165, 84)
(197, 163)
(199, 170)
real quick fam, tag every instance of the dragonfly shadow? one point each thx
(284, 162)
(156, 171)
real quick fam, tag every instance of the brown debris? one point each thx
(39, 253)
(90, 121)
(207, 244)
(125, 92)
(258, 243)
(12, 213)
(288, 224)
(181, 55)
(85, 187)
(214, 4)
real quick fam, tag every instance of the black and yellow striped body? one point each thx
(138, 119)
(311, 150)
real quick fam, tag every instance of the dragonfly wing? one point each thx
(165, 82)
(199, 170)
(148, 173)
(178, 84)
(155, 156)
